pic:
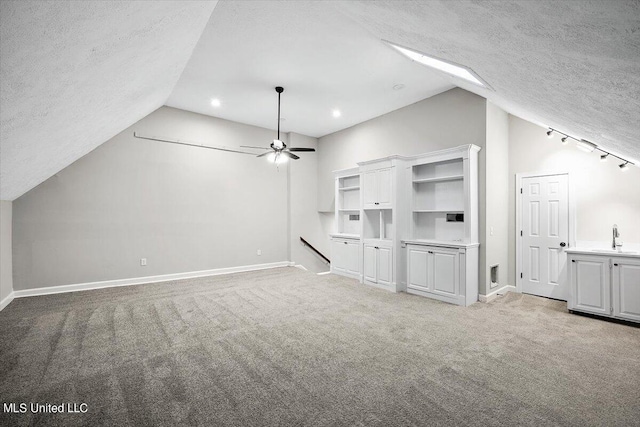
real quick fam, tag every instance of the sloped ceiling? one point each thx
(76, 73)
(571, 65)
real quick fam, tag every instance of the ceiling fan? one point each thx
(278, 151)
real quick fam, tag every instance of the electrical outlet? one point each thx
(143, 261)
(259, 252)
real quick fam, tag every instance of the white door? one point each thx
(417, 270)
(370, 189)
(384, 188)
(337, 255)
(626, 289)
(352, 258)
(545, 234)
(590, 282)
(385, 262)
(445, 274)
(369, 261)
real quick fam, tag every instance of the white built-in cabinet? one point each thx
(377, 188)
(605, 285)
(417, 221)
(346, 250)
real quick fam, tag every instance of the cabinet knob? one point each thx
(573, 260)
(563, 244)
(344, 243)
(376, 247)
(376, 203)
(615, 265)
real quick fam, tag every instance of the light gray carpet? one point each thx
(287, 347)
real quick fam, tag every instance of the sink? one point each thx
(613, 251)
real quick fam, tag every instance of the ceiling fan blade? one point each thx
(291, 155)
(188, 143)
(301, 149)
(264, 154)
(257, 148)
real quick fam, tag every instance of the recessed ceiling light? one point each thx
(441, 65)
(399, 86)
(336, 113)
(215, 102)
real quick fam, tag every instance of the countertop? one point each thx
(603, 252)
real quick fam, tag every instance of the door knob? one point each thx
(563, 244)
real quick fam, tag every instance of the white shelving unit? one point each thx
(442, 242)
(414, 221)
(345, 242)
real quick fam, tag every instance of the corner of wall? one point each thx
(6, 256)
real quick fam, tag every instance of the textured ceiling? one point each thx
(322, 58)
(76, 73)
(571, 65)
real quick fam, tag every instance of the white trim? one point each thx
(5, 302)
(301, 267)
(324, 273)
(572, 216)
(148, 279)
(493, 295)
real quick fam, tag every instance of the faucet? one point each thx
(615, 235)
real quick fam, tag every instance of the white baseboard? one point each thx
(301, 267)
(144, 280)
(324, 273)
(493, 295)
(5, 302)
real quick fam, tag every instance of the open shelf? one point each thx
(434, 225)
(352, 188)
(454, 211)
(378, 224)
(438, 179)
(437, 170)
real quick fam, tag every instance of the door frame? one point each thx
(572, 218)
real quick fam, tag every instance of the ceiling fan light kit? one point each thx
(278, 152)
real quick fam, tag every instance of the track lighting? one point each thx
(585, 145)
(589, 147)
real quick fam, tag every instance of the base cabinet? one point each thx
(345, 257)
(626, 289)
(604, 285)
(378, 265)
(442, 273)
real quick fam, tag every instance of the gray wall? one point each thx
(603, 194)
(184, 209)
(449, 119)
(496, 227)
(305, 221)
(6, 264)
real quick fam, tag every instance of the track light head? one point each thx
(624, 166)
(603, 158)
(564, 139)
(550, 133)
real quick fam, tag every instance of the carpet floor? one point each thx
(287, 347)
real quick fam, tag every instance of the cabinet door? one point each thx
(370, 189)
(369, 263)
(626, 289)
(352, 258)
(417, 270)
(384, 188)
(590, 285)
(337, 255)
(445, 272)
(384, 273)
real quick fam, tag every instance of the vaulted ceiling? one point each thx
(74, 74)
